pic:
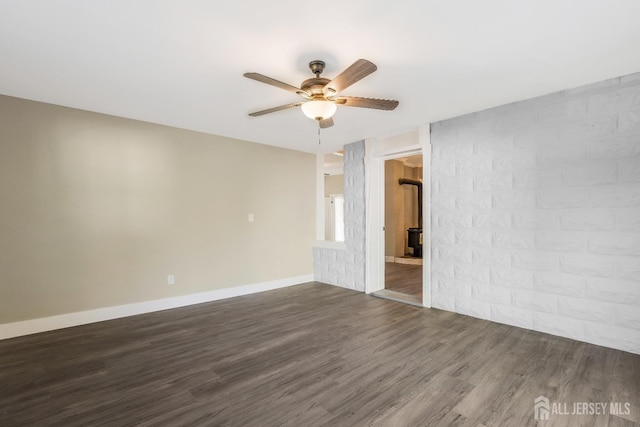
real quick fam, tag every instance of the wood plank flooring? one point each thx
(308, 355)
(403, 278)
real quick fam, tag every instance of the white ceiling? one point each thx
(180, 63)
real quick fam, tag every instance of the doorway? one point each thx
(379, 151)
(403, 229)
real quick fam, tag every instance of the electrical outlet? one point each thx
(250, 217)
(171, 280)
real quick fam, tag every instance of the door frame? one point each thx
(377, 152)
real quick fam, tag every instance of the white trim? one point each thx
(33, 326)
(398, 297)
(424, 139)
(319, 196)
(412, 150)
(374, 222)
(377, 153)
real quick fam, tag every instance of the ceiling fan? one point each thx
(321, 94)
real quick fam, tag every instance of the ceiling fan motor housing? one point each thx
(314, 86)
(317, 67)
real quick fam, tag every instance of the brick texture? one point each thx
(346, 268)
(536, 214)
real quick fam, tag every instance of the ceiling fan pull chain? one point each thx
(318, 133)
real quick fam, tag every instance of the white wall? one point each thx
(536, 214)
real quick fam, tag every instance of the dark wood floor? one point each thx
(308, 355)
(404, 278)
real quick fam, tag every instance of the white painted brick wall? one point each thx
(346, 268)
(588, 265)
(472, 238)
(613, 290)
(536, 214)
(628, 268)
(589, 219)
(559, 283)
(490, 294)
(629, 170)
(511, 278)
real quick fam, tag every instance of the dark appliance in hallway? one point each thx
(414, 237)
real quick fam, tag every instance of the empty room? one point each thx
(356, 213)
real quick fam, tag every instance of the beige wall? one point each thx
(394, 209)
(333, 184)
(96, 211)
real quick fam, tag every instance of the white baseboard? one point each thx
(33, 326)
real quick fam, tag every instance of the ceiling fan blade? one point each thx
(277, 83)
(357, 71)
(378, 104)
(326, 123)
(274, 109)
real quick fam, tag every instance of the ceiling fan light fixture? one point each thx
(320, 93)
(319, 109)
